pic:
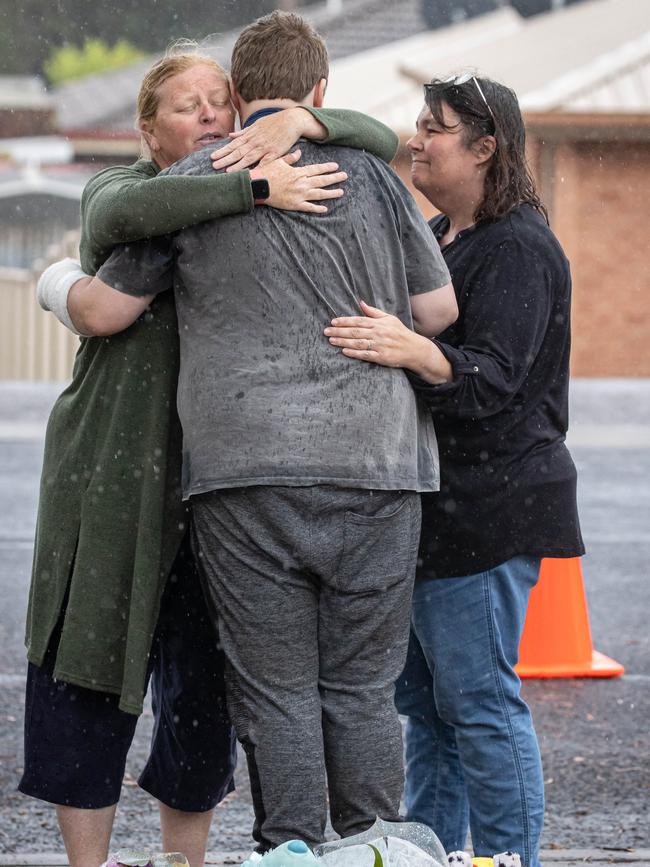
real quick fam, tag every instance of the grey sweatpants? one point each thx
(313, 589)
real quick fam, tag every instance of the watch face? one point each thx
(261, 189)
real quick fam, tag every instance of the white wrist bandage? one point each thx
(53, 287)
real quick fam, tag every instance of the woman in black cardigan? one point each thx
(496, 382)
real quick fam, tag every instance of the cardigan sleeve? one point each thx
(354, 129)
(121, 204)
(503, 319)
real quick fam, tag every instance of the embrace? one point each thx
(299, 482)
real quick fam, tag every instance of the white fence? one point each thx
(33, 344)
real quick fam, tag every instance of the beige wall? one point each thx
(33, 344)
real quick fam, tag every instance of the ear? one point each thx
(319, 93)
(146, 128)
(235, 98)
(484, 148)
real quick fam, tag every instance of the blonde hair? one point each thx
(279, 56)
(179, 57)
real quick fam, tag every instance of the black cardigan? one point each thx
(508, 483)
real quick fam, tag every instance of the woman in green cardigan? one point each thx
(113, 588)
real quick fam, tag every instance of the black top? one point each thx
(508, 483)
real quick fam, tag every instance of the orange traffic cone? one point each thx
(556, 641)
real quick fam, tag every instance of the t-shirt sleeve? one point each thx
(141, 268)
(504, 319)
(425, 266)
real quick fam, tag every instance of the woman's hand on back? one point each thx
(377, 336)
(382, 338)
(300, 188)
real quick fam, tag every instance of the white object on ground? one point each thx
(459, 859)
(507, 859)
(382, 852)
(413, 832)
(53, 288)
(361, 855)
(128, 857)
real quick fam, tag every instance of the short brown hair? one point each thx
(279, 56)
(179, 57)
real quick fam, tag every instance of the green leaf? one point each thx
(70, 62)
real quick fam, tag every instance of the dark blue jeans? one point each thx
(472, 755)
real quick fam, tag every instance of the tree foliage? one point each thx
(31, 30)
(69, 62)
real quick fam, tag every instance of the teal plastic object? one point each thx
(294, 853)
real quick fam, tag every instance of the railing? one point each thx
(33, 344)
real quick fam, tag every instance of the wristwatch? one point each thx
(261, 189)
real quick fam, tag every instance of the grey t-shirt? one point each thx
(263, 398)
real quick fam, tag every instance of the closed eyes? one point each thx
(215, 102)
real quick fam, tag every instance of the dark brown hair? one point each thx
(279, 56)
(508, 181)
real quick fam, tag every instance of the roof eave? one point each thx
(557, 126)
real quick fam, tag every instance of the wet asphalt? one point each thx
(594, 734)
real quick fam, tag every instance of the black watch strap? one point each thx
(261, 189)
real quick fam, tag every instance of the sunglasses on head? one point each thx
(463, 78)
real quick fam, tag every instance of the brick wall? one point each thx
(18, 122)
(600, 213)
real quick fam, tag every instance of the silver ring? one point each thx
(369, 347)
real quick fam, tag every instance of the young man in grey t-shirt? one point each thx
(302, 467)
